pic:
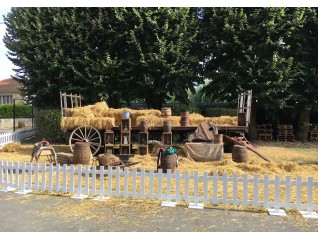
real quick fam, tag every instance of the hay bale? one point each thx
(11, 147)
(88, 111)
(84, 112)
(70, 123)
(99, 108)
(137, 113)
(102, 123)
(134, 114)
(224, 120)
(155, 121)
(117, 114)
(220, 121)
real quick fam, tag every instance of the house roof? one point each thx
(9, 86)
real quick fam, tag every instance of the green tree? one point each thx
(160, 59)
(304, 50)
(244, 48)
(114, 54)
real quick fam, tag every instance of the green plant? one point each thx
(21, 110)
(48, 125)
(217, 112)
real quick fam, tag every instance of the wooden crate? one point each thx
(313, 132)
(265, 132)
(285, 133)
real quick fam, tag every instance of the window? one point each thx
(6, 99)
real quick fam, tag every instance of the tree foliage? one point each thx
(116, 54)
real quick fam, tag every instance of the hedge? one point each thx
(48, 126)
(217, 112)
(21, 111)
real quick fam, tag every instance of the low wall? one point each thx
(8, 123)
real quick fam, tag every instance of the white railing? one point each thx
(16, 136)
(83, 181)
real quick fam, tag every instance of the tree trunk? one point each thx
(303, 125)
(252, 127)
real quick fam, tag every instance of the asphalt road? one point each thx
(56, 213)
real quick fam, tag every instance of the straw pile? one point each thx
(89, 111)
(11, 147)
(221, 121)
(101, 116)
(154, 121)
(68, 123)
(253, 165)
(117, 114)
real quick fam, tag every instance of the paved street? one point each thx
(54, 213)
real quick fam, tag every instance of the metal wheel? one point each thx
(86, 134)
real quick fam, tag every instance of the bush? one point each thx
(217, 112)
(176, 110)
(21, 110)
(48, 126)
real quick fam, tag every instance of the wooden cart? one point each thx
(96, 137)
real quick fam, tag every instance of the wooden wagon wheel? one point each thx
(86, 134)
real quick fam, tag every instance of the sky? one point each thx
(6, 66)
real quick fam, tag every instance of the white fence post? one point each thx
(23, 187)
(43, 186)
(36, 186)
(72, 172)
(266, 191)
(117, 173)
(126, 175)
(276, 211)
(235, 199)
(57, 177)
(64, 170)
(215, 187)
(196, 204)
(94, 180)
(168, 202)
(12, 188)
(309, 213)
(245, 192)
(151, 183)
(255, 190)
(79, 194)
(6, 183)
(17, 173)
(142, 183)
(101, 196)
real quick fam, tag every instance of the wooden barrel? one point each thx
(167, 126)
(168, 162)
(165, 112)
(185, 114)
(218, 138)
(82, 153)
(143, 127)
(239, 154)
(185, 118)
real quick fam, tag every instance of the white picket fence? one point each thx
(84, 181)
(15, 136)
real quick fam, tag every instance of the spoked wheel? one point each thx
(86, 134)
